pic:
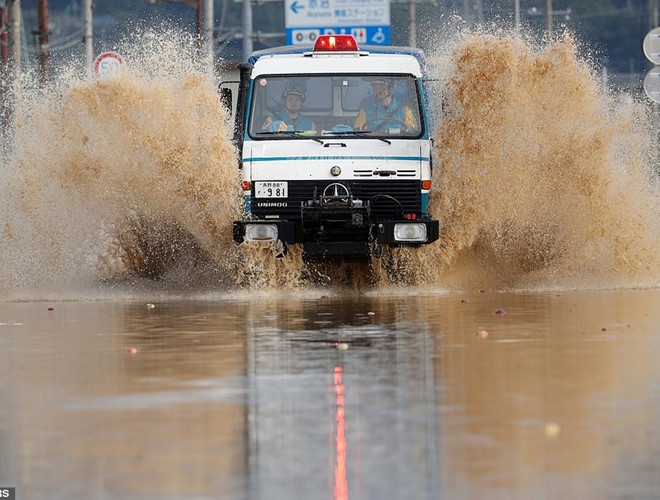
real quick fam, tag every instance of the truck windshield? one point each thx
(335, 105)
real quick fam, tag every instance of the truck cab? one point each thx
(334, 149)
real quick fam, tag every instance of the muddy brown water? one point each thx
(514, 358)
(319, 395)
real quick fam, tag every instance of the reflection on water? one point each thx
(341, 484)
(353, 422)
(331, 397)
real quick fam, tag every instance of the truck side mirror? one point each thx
(226, 98)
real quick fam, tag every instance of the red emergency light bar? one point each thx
(336, 43)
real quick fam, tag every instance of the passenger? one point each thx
(290, 118)
(382, 111)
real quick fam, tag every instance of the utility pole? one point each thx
(412, 23)
(4, 68)
(196, 4)
(204, 19)
(549, 14)
(247, 29)
(466, 11)
(207, 35)
(473, 10)
(15, 23)
(11, 59)
(479, 6)
(89, 35)
(4, 36)
(42, 40)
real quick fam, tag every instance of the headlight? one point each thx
(261, 232)
(410, 232)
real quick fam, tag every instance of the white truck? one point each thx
(347, 170)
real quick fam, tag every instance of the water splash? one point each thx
(128, 173)
(542, 178)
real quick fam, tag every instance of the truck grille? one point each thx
(408, 194)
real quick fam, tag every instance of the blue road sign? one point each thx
(371, 35)
(367, 20)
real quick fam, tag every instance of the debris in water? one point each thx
(499, 312)
(131, 350)
(342, 346)
(51, 308)
(481, 333)
(371, 313)
(552, 429)
(151, 306)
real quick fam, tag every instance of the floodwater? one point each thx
(385, 395)
(144, 355)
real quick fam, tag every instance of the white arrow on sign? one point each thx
(295, 7)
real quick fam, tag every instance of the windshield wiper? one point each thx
(291, 133)
(361, 133)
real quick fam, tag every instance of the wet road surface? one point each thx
(317, 396)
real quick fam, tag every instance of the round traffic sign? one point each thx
(651, 46)
(107, 63)
(652, 84)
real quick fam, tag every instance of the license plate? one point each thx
(270, 189)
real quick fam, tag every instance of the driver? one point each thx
(290, 118)
(381, 110)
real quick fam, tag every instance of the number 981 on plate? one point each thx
(271, 189)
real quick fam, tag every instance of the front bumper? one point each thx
(347, 238)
